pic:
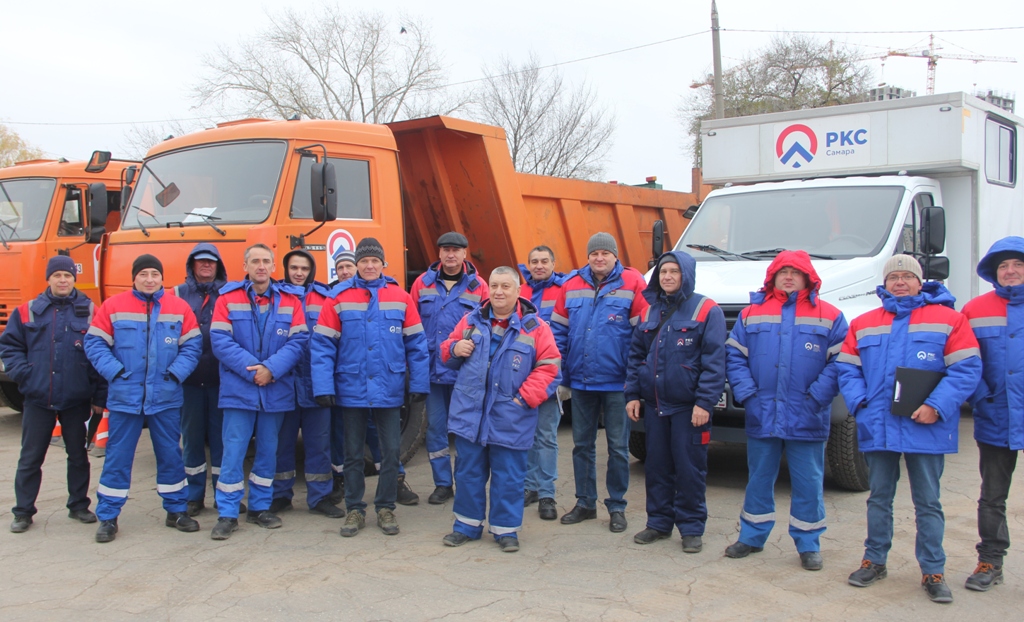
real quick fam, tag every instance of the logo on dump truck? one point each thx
(338, 240)
(798, 145)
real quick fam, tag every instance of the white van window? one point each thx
(1000, 152)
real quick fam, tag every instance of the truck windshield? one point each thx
(839, 223)
(24, 204)
(226, 184)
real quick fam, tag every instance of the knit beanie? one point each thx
(344, 255)
(61, 263)
(602, 241)
(903, 263)
(369, 247)
(143, 262)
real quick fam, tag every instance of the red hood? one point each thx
(793, 259)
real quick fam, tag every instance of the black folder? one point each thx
(913, 386)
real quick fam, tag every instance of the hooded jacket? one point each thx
(781, 357)
(441, 310)
(43, 350)
(313, 296)
(543, 294)
(683, 364)
(525, 366)
(997, 319)
(202, 298)
(593, 326)
(923, 332)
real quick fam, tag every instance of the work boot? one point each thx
(985, 576)
(338, 492)
(578, 514)
(692, 544)
(20, 524)
(456, 538)
(181, 521)
(440, 495)
(82, 516)
(193, 508)
(738, 549)
(265, 519)
(938, 591)
(224, 527)
(618, 522)
(529, 498)
(355, 521)
(107, 531)
(508, 544)
(387, 522)
(867, 574)
(405, 494)
(325, 507)
(811, 560)
(547, 509)
(281, 504)
(648, 535)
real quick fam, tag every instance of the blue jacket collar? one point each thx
(932, 293)
(154, 297)
(557, 278)
(587, 275)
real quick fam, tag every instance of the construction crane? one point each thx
(933, 59)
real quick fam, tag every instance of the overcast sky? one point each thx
(90, 69)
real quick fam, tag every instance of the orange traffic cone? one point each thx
(99, 447)
(58, 437)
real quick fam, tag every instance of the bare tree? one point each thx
(330, 65)
(792, 72)
(552, 128)
(13, 148)
(139, 139)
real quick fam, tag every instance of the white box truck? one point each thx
(853, 185)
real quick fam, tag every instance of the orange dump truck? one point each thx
(45, 209)
(405, 183)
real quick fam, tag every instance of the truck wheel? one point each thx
(638, 445)
(10, 396)
(414, 429)
(845, 461)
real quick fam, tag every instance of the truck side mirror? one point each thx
(935, 268)
(323, 191)
(98, 162)
(933, 230)
(126, 194)
(691, 212)
(129, 175)
(657, 242)
(96, 207)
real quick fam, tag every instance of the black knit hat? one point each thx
(61, 263)
(453, 238)
(369, 247)
(146, 261)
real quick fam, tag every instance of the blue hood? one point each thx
(206, 247)
(1006, 248)
(688, 267)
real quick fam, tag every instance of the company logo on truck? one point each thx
(797, 150)
(845, 143)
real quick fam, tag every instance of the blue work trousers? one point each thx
(201, 423)
(438, 402)
(506, 470)
(388, 422)
(542, 460)
(238, 429)
(316, 443)
(676, 472)
(586, 411)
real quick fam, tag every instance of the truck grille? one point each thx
(8, 303)
(732, 313)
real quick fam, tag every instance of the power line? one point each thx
(870, 32)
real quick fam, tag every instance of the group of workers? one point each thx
(213, 364)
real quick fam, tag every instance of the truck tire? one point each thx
(414, 429)
(638, 445)
(10, 396)
(846, 463)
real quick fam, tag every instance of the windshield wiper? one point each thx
(775, 251)
(14, 230)
(142, 227)
(714, 250)
(207, 219)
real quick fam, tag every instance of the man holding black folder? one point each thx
(915, 328)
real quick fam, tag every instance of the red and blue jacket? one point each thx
(368, 336)
(524, 366)
(145, 345)
(440, 310)
(543, 294)
(683, 364)
(593, 326)
(43, 351)
(922, 332)
(239, 343)
(781, 357)
(997, 319)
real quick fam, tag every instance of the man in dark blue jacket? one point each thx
(677, 366)
(42, 350)
(201, 417)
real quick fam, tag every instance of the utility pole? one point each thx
(717, 51)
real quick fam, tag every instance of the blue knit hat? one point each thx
(61, 263)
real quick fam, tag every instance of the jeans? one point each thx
(807, 503)
(676, 473)
(388, 422)
(238, 429)
(542, 459)
(338, 443)
(201, 423)
(924, 471)
(438, 401)
(506, 469)
(586, 410)
(37, 425)
(997, 465)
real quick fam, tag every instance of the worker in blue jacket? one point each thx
(42, 350)
(677, 366)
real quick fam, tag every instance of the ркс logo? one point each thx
(804, 145)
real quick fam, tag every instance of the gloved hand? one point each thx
(325, 401)
(564, 393)
(417, 397)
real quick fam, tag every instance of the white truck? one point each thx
(853, 185)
